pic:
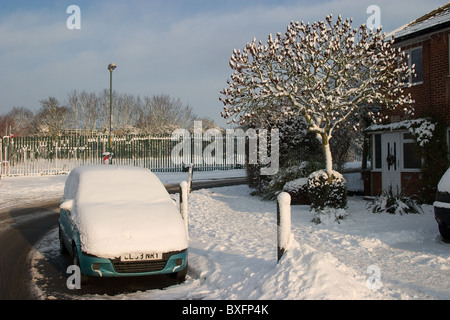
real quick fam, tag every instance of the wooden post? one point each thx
(184, 203)
(283, 223)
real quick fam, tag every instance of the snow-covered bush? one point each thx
(298, 190)
(273, 185)
(276, 183)
(435, 162)
(329, 216)
(328, 194)
(394, 202)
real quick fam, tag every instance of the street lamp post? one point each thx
(111, 68)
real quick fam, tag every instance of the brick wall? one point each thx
(432, 96)
(410, 182)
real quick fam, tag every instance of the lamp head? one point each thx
(112, 66)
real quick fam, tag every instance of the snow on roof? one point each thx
(402, 125)
(422, 129)
(435, 19)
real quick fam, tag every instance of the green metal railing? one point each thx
(21, 156)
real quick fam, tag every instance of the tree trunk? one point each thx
(327, 153)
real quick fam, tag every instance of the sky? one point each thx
(176, 47)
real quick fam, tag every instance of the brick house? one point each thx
(394, 157)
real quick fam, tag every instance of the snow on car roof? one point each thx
(121, 209)
(101, 182)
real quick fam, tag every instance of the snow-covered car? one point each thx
(442, 206)
(120, 221)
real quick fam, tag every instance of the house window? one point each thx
(411, 155)
(414, 57)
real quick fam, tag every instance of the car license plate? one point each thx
(141, 257)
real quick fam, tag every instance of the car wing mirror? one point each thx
(66, 205)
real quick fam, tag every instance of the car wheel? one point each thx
(180, 276)
(444, 231)
(76, 261)
(62, 247)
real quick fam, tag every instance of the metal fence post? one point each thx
(184, 189)
(191, 172)
(283, 223)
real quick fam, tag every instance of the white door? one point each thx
(390, 155)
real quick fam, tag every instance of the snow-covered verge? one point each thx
(366, 256)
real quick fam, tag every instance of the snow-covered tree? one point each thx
(327, 72)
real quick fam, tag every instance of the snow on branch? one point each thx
(326, 70)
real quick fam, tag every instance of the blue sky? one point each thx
(175, 47)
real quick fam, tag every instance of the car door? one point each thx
(67, 224)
